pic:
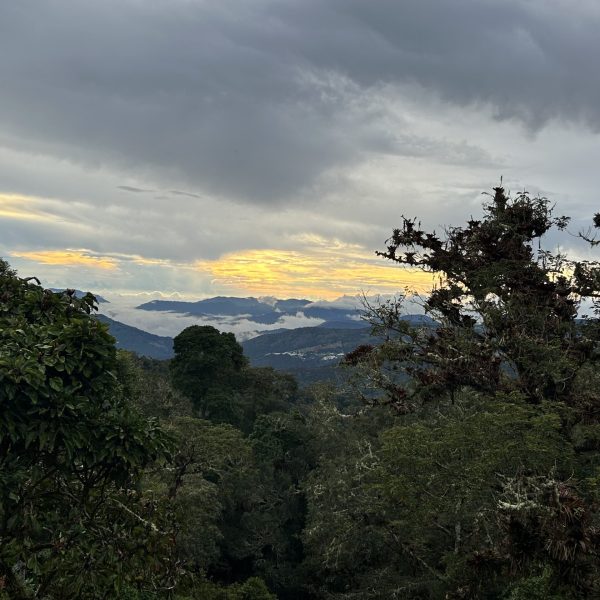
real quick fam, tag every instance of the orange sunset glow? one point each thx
(81, 258)
(318, 274)
(313, 272)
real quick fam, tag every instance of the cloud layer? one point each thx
(162, 135)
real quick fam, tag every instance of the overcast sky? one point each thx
(255, 147)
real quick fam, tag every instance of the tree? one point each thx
(282, 448)
(507, 365)
(72, 522)
(264, 390)
(211, 489)
(211, 370)
(212, 471)
(207, 369)
(507, 318)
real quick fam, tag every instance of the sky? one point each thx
(194, 148)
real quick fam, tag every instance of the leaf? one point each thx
(56, 384)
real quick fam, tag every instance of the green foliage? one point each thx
(210, 369)
(507, 316)
(207, 368)
(488, 475)
(252, 589)
(537, 587)
(202, 589)
(212, 471)
(265, 390)
(282, 447)
(345, 538)
(440, 476)
(146, 383)
(415, 508)
(234, 502)
(72, 521)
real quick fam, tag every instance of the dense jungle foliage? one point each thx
(463, 462)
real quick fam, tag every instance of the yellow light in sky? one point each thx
(316, 268)
(319, 273)
(13, 206)
(80, 258)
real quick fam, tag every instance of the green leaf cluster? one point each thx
(72, 520)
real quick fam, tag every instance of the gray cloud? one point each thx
(256, 100)
(183, 130)
(135, 190)
(188, 194)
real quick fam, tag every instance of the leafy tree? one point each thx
(212, 490)
(251, 589)
(145, 381)
(212, 470)
(347, 548)
(440, 476)
(500, 395)
(207, 369)
(282, 445)
(265, 390)
(72, 522)
(235, 505)
(507, 316)
(211, 370)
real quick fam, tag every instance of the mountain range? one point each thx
(310, 353)
(139, 341)
(265, 311)
(80, 294)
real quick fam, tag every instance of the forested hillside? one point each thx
(311, 354)
(457, 461)
(138, 341)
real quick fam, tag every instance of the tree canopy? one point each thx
(487, 481)
(71, 451)
(206, 368)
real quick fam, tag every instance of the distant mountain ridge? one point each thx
(139, 341)
(311, 354)
(314, 353)
(80, 294)
(256, 309)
